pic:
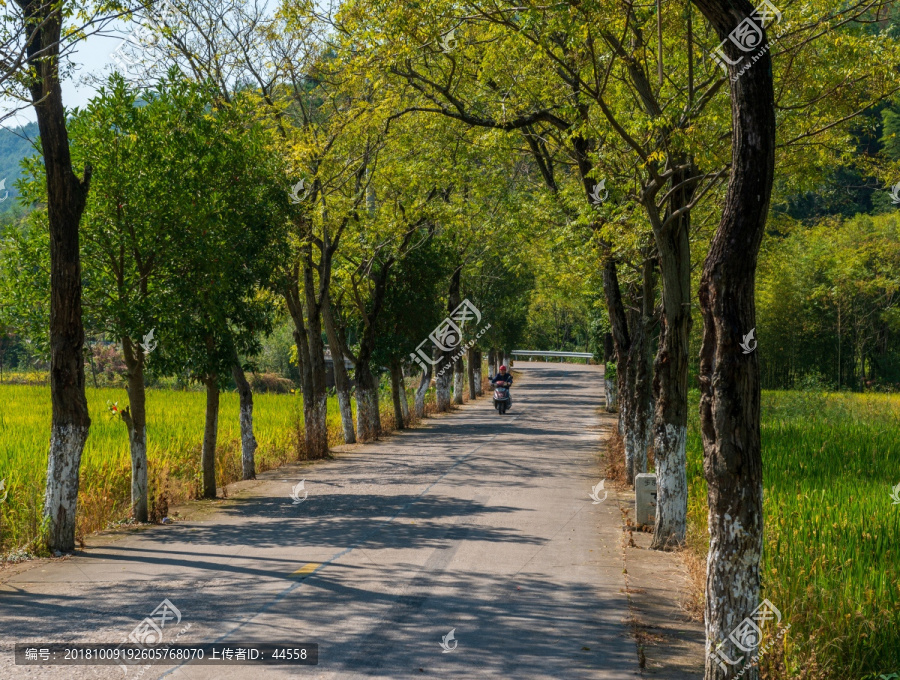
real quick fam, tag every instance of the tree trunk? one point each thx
(609, 355)
(396, 387)
(670, 383)
(630, 401)
(135, 417)
(66, 196)
(315, 420)
(609, 348)
(311, 360)
(210, 434)
(93, 367)
(612, 402)
(442, 389)
(459, 379)
(470, 373)
(404, 401)
(368, 418)
(248, 441)
(442, 381)
(621, 339)
(341, 378)
(315, 410)
(479, 388)
(424, 384)
(492, 362)
(729, 379)
(454, 298)
(641, 400)
(291, 296)
(623, 389)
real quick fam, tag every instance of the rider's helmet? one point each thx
(503, 369)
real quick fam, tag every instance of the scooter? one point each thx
(502, 400)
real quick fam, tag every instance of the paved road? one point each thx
(477, 523)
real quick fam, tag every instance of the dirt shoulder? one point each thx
(670, 638)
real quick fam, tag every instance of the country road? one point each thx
(475, 523)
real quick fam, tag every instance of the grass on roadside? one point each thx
(174, 438)
(175, 421)
(832, 533)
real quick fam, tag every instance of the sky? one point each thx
(90, 57)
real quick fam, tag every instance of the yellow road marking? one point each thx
(307, 569)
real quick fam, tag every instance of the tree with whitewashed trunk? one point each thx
(442, 381)
(640, 415)
(305, 300)
(398, 240)
(470, 372)
(389, 233)
(315, 242)
(412, 311)
(318, 123)
(479, 385)
(245, 406)
(33, 39)
(127, 239)
(41, 24)
(455, 363)
(459, 380)
(422, 389)
(404, 401)
(398, 394)
(729, 378)
(135, 418)
(341, 377)
(217, 308)
(369, 284)
(133, 223)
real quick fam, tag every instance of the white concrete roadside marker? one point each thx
(645, 498)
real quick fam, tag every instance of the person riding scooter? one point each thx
(502, 379)
(505, 379)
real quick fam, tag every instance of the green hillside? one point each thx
(15, 144)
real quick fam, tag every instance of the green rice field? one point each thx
(174, 438)
(832, 531)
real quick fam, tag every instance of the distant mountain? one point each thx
(15, 144)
